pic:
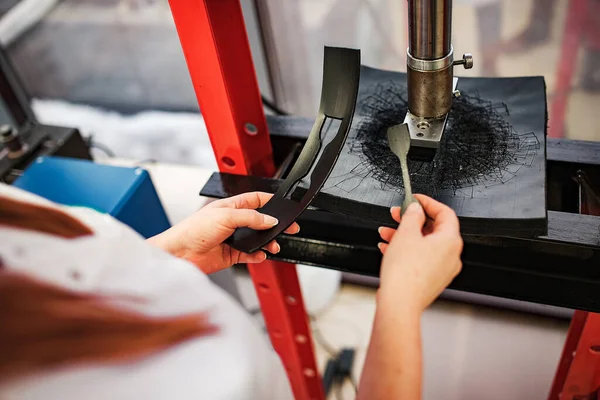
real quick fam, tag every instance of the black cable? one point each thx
(338, 392)
(320, 339)
(272, 106)
(145, 161)
(92, 144)
(329, 349)
(105, 149)
(353, 383)
(254, 311)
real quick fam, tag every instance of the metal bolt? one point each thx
(301, 338)
(263, 287)
(12, 142)
(276, 334)
(250, 129)
(6, 132)
(467, 61)
(309, 372)
(456, 94)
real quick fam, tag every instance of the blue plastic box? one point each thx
(126, 193)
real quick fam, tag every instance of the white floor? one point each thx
(471, 352)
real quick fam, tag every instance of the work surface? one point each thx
(471, 352)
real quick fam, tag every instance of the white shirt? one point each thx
(237, 363)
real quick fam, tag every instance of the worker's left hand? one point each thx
(199, 239)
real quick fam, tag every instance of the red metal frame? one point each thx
(592, 26)
(215, 44)
(574, 31)
(578, 373)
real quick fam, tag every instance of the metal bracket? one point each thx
(427, 132)
(341, 75)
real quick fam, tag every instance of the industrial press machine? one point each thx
(560, 268)
(255, 152)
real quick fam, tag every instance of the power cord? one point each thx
(92, 144)
(320, 339)
(339, 366)
(272, 106)
(338, 369)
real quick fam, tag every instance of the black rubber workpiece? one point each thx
(421, 154)
(490, 171)
(341, 75)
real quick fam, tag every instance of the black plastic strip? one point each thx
(341, 75)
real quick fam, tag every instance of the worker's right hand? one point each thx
(420, 261)
(200, 238)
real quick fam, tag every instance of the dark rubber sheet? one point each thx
(499, 190)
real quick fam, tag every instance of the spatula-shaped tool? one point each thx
(399, 142)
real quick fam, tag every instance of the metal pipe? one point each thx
(430, 26)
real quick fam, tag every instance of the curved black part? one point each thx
(341, 75)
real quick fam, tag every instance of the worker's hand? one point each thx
(199, 238)
(420, 260)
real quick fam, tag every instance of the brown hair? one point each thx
(47, 326)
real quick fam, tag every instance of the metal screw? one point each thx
(309, 372)
(12, 142)
(250, 129)
(301, 338)
(456, 94)
(467, 61)
(276, 333)
(6, 132)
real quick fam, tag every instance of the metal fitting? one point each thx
(467, 61)
(12, 142)
(430, 65)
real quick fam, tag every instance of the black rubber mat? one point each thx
(491, 167)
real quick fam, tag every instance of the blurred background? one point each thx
(115, 68)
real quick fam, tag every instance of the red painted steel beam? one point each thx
(215, 44)
(216, 48)
(568, 353)
(567, 65)
(592, 26)
(578, 375)
(288, 326)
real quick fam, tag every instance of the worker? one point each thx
(90, 310)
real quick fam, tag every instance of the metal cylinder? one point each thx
(430, 26)
(430, 92)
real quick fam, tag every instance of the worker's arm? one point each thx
(418, 264)
(199, 239)
(393, 366)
